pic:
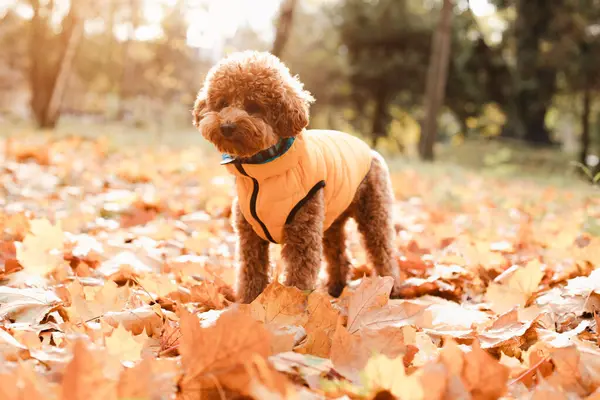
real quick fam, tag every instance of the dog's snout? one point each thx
(227, 129)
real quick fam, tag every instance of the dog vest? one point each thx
(272, 191)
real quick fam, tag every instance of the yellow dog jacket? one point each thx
(271, 191)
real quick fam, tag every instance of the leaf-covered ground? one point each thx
(117, 273)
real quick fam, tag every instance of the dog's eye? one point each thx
(253, 108)
(221, 104)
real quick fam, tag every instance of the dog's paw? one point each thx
(335, 290)
(398, 290)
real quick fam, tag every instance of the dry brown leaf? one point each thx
(123, 346)
(267, 383)
(208, 294)
(10, 348)
(508, 330)
(27, 305)
(373, 293)
(42, 250)
(148, 379)
(157, 285)
(126, 265)
(484, 377)
(320, 325)
(22, 382)
(382, 373)
(436, 379)
(8, 259)
(518, 288)
(279, 305)
(351, 352)
(138, 320)
(94, 302)
(215, 356)
(86, 371)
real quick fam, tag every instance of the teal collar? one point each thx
(262, 157)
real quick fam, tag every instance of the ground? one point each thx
(118, 268)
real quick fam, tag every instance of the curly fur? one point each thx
(256, 92)
(256, 97)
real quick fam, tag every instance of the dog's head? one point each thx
(250, 101)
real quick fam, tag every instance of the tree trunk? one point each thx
(534, 83)
(284, 26)
(64, 72)
(126, 88)
(51, 58)
(585, 125)
(380, 118)
(437, 74)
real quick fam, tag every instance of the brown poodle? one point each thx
(295, 187)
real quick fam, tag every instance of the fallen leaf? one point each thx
(372, 293)
(388, 374)
(147, 379)
(279, 305)
(517, 290)
(215, 356)
(138, 320)
(122, 345)
(41, 250)
(27, 305)
(86, 371)
(484, 377)
(320, 325)
(10, 348)
(351, 352)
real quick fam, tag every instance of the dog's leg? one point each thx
(253, 257)
(303, 244)
(334, 249)
(373, 214)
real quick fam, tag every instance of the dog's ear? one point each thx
(293, 114)
(199, 108)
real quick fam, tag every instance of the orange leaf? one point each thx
(214, 356)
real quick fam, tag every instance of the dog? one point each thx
(295, 187)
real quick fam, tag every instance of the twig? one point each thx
(529, 370)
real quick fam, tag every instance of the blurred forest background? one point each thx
(510, 85)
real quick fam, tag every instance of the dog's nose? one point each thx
(227, 129)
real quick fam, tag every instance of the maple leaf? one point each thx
(122, 345)
(15, 225)
(372, 293)
(320, 325)
(284, 338)
(10, 348)
(351, 352)
(484, 376)
(267, 383)
(146, 318)
(309, 367)
(427, 350)
(8, 259)
(158, 285)
(518, 289)
(278, 305)
(508, 330)
(208, 294)
(125, 265)
(41, 250)
(148, 379)
(388, 374)
(93, 302)
(86, 371)
(216, 355)
(23, 382)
